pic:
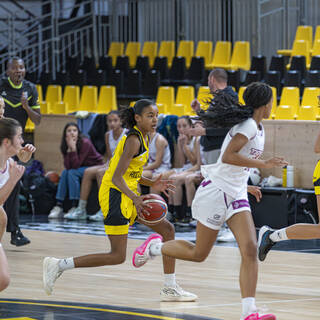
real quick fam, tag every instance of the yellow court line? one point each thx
(93, 309)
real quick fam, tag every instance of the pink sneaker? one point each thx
(142, 254)
(256, 316)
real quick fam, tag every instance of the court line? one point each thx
(145, 315)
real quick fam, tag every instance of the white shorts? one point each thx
(212, 207)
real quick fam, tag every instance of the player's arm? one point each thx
(32, 109)
(232, 155)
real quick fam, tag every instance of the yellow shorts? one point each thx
(316, 178)
(118, 210)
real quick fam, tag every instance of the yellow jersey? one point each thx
(134, 171)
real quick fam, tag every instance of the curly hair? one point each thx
(225, 111)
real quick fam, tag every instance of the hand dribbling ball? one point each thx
(157, 211)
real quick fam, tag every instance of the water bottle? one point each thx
(290, 177)
(284, 176)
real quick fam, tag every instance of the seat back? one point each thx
(72, 97)
(222, 54)
(186, 50)
(204, 49)
(240, 58)
(116, 49)
(149, 50)
(132, 51)
(89, 99)
(167, 49)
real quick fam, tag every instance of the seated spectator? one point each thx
(185, 158)
(112, 138)
(78, 154)
(159, 157)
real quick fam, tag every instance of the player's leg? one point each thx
(4, 268)
(241, 224)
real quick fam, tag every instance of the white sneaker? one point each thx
(51, 273)
(142, 254)
(176, 293)
(77, 214)
(70, 212)
(226, 236)
(97, 217)
(55, 212)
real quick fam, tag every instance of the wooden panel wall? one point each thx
(293, 140)
(47, 139)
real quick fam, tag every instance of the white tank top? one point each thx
(153, 152)
(112, 142)
(4, 175)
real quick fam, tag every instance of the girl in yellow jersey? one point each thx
(121, 203)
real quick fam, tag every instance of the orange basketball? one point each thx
(53, 176)
(157, 211)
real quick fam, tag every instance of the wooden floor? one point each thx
(289, 283)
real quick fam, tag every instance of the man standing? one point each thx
(212, 138)
(21, 103)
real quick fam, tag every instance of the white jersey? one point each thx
(166, 160)
(4, 175)
(230, 178)
(112, 142)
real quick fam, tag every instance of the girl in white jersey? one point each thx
(222, 196)
(112, 137)
(10, 174)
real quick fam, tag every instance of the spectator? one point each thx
(21, 103)
(78, 153)
(112, 138)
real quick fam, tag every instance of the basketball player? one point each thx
(222, 196)
(121, 203)
(300, 231)
(10, 173)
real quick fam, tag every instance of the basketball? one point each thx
(52, 176)
(158, 209)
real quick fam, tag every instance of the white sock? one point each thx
(82, 204)
(155, 249)
(279, 235)
(170, 280)
(248, 306)
(66, 264)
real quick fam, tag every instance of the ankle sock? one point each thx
(248, 306)
(170, 280)
(155, 249)
(66, 264)
(82, 204)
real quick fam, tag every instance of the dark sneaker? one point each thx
(18, 239)
(264, 242)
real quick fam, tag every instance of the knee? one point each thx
(200, 256)
(250, 251)
(168, 231)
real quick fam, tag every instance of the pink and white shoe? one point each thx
(256, 316)
(142, 254)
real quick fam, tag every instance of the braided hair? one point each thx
(225, 111)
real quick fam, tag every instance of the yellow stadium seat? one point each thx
(317, 34)
(315, 49)
(303, 33)
(240, 58)
(132, 51)
(89, 99)
(107, 99)
(274, 103)
(240, 94)
(204, 96)
(301, 48)
(204, 49)
(165, 98)
(185, 95)
(186, 49)
(39, 90)
(72, 97)
(149, 50)
(53, 94)
(284, 112)
(116, 49)
(60, 108)
(308, 113)
(45, 107)
(221, 56)
(29, 126)
(310, 97)
(167, 49)
(290, 96)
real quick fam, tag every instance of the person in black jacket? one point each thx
(212, 138)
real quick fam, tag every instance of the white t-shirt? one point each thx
(113, 142)
(4, 175)
(230, 178)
